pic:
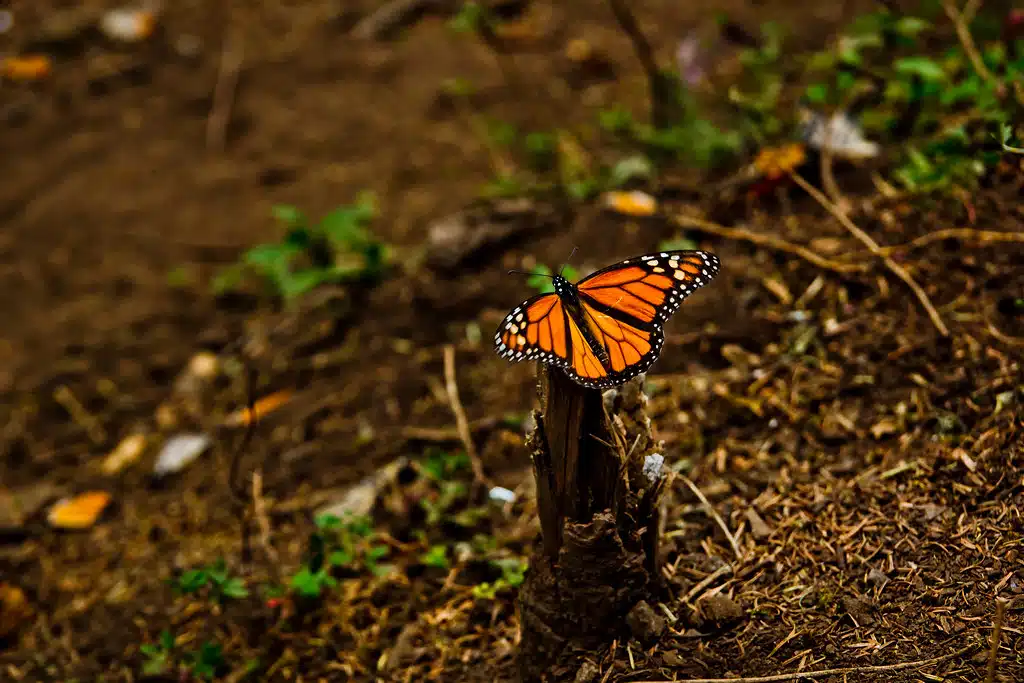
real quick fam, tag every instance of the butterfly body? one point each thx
(607, 328)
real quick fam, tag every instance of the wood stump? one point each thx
(599, 482)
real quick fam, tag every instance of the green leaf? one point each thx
(289, 215)
(234, 588)
(927, 69)
(816, 93)
(437, 556)
(340, 558)
(193, 580)
(269, 257)
(502, 133)
(909, 27)
(677, 244)
(227, 279)
(616, 120)
(630, 168)
(301, 282)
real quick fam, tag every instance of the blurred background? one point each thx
(252, 256)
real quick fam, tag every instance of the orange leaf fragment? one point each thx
(260, 409)
(774, 162)
(635, 203)
(14, 609)
(79, 512)
(27, 68)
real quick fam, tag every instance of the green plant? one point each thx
(205, 662)
(513, 573)
(161, 657)
(337, 249)
(338, 544)
(216, 579)
(441, 465)
(158, 655)
(437, 557)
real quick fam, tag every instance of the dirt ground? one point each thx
(868, 468)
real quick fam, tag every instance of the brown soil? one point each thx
(870, 467)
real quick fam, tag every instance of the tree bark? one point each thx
(599, 484)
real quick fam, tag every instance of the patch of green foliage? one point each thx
(925, 97)
(215, 580)
(337, 249)
(338, 544)
(205, 663)
(513, 573)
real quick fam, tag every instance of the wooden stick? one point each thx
(770, 242)
(224, 91)
(714, 515)
(997, 629)
(796, 675)
(461, 423)
(964, 34)
(898, 270)
(965, 234)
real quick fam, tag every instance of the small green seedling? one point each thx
(342, 544)
(513, 573)
(338, 249)
(206, 662)
(158, 655)
(215, 579)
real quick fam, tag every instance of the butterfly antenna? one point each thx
(567, 260)
(525, 272)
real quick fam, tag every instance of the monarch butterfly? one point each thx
(607, 328)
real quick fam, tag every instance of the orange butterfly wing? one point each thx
(626, 304)
(541, 329)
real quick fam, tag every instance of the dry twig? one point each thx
(898, 270)
(714, 515)
(964, 34)
(978, 237)
(224, 91)
(461, 423)
(997, 629)
(259, 511)
(768, 241)
(796, 675)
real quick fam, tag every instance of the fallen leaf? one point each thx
(260, 409)
(28, 68)
(14, 609)
(124, 454)
(775, 162)
(78, 512)
(128, 25)
(634, 203)
(180, 451)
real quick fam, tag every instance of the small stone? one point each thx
(653, 464)
(720, 611)
(758, 527)
(644, 623)
(858, 610)
(587, 673)
(877, 577)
